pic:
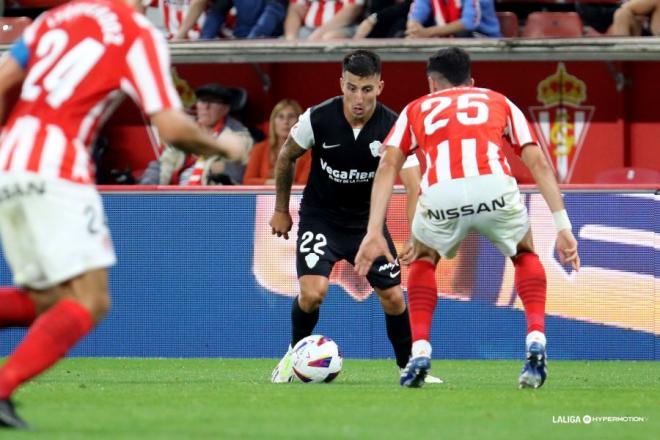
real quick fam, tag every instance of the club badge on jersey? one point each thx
(376, 148)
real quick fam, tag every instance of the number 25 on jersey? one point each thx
(472, 110)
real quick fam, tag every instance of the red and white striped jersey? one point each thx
(319, 12)
(81, 59)
(174, 11)
(461, 131)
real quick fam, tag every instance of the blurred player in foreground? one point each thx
(75, 63)
(467, 186)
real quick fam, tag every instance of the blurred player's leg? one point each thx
(84, 302)
(16, 308)
(8, 416)
(531, 285)
(304, 317)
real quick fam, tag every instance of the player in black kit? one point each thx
(345, 135)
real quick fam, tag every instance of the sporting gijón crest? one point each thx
(562, 121)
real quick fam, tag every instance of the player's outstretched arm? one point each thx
(281, 222)
(11, 73)
(374, 244)
(544, 176)
(177, 129)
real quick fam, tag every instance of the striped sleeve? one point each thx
(148, 80)
(520, 131)
(400, 135)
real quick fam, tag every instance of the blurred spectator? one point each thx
(183, 19)
(214, 103)
(254, 18)
(270, 22)
(261, 165)
(637, 17)
(386, 19)
(446, 18)
(316, 20)
(598, 16)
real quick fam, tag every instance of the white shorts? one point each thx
(489, 204)
(52, 230)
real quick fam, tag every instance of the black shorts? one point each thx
(321, 244)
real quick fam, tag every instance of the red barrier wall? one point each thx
(621, 126)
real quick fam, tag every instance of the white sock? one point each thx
(535, 336)
(421, 348)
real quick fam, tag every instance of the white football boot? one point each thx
(283, 373)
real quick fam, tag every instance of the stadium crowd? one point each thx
(221, 109)
(185, 20)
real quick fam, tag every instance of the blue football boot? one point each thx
(535, 371)
(415, 372)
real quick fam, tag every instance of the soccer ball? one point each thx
(316, 359)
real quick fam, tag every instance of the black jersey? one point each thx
(343, 166)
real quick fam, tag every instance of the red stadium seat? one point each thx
(553, 24)
(12, 27)
(508, 24)
(629, 175)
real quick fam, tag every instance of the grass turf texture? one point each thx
(222, 398)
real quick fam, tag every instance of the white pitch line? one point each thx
(611, 234)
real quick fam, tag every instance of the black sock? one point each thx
(302, 323)
(398, 331)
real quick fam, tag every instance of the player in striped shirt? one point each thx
(467, 186)
(75, 63)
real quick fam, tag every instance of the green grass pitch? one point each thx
(223, 398)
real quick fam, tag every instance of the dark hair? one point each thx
(362, 63)
(453, 63)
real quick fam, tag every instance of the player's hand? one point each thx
(407, 253)
(372, 247)
(281, 223)
(567, 249)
